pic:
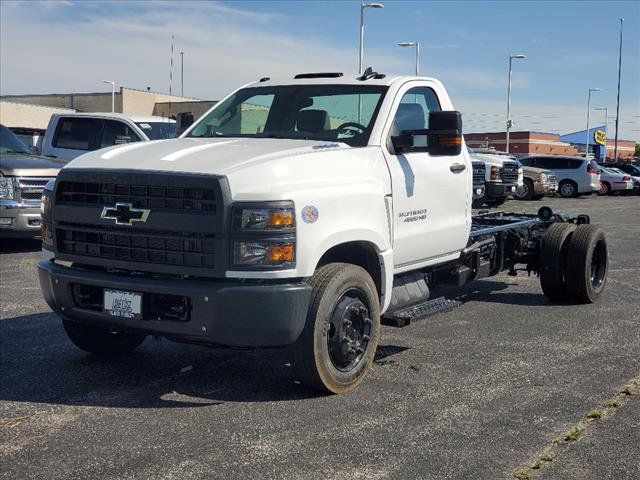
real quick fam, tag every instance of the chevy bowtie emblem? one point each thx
(125, 214)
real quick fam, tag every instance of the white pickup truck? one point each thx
(296, 213)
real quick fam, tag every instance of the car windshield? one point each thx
(158, 130)
(343, 113)
(9, 143)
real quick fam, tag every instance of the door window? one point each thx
(414, 108)
(117, 133)
(76, 133)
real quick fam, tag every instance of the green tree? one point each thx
(637, 152)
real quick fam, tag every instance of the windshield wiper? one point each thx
(15, 151)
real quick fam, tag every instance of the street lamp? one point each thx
(113, 94)
(606, 125)
(511, 57)
(364, 6)
(586, 152)
(417, 45)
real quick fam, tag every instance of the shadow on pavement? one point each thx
(40, 365)
(19, 245)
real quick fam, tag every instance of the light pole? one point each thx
(615, 150)
(511, 57)
(364, 6)
(586, 152)
(113, 94)
(182, 74)
(606, 126)
(417, 45)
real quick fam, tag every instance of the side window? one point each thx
(76, 133)
(249, 117)
(116, 133)
(574, 163)
(414, 108)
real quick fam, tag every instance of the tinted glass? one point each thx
(117, 133)
(158, 130)
(77, 133)
(343, 113)
(9, 143)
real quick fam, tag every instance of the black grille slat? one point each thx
(479, 171)
(173, 248)
(509, 172)
(140, 196)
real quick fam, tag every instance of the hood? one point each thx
(535, 170)
(220, 156)
(24, 165)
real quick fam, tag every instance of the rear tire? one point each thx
(337, 346)
(102, 341)
(568, 189)
(553, 260)
(587, 263)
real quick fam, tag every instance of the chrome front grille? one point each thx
(30, 188)
(509, 172)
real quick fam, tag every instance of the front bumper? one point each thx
(500, 190)
(478, 191)
(19, 219)
(235, 313)
(540, 188)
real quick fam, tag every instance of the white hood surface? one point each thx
(219, 156)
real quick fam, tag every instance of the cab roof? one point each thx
(133, 118)
(331, 79)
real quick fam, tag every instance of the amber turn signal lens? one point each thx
(450, 140)
(281, 218)
(281, 253)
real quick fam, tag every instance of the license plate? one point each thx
(118, 303)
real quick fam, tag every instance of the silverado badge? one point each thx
(125, 214)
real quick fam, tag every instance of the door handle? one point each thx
(457, 167)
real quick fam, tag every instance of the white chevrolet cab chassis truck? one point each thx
(298, 213)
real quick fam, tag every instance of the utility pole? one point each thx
(588, 137)
(182, 74)
(511, 57)
(615, 148)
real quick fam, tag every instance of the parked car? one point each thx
(632, 170)
(575, 175)
(538, 182)
(70, 135)
(501, 178)
(23, 177)
(614, 181)
(479, 172)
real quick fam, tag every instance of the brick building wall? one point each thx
(521, 143)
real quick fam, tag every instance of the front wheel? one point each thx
(605, 189)
(526, 191)
(337, 346)
(102, 341)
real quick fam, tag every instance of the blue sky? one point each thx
(571, 46)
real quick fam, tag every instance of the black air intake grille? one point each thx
(140, 196)
(479, 171)
(168, 248)
(510, 172)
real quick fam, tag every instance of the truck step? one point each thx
(404, 317)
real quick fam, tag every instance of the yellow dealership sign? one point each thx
(600, 136)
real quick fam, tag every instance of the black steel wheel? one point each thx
(553, 261)
(587, 263)
(336, 348)
(102, 341)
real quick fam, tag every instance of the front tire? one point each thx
(337, 346)
(102, 341)
(526, 191)
(605, 189)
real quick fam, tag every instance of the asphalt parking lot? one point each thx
(480, 392)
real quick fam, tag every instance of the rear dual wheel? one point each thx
(574, 262)
(337, 346)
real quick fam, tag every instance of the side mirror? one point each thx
(35, 150)
(443, 137)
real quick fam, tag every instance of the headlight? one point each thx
(542, 177)
(7, 188)
(263, 253)
(276, 217)
(495, 174)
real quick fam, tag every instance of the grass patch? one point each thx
(573, 435)
(595, 413)
(612, 404)
(522, 474)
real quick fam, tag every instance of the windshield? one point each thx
(158, 130)
(9, 143)
(344, 113)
